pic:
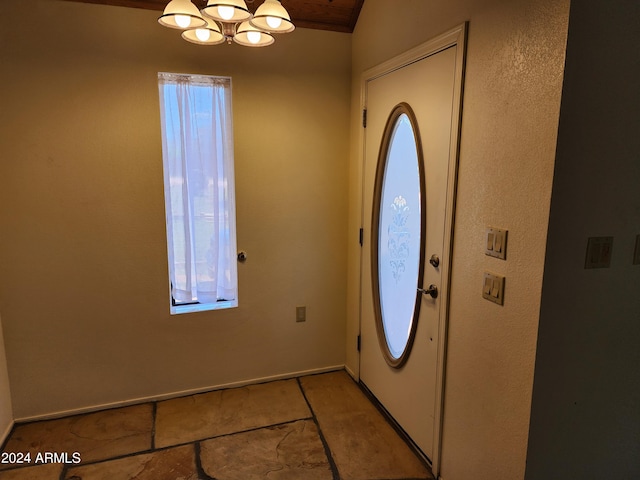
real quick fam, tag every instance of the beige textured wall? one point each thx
(510, 116)
(83, 290)
(585, 416)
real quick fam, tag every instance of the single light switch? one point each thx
(495, 291)
(488, 285)
(490, 240)
(636, 254)
(493, 288)
(496, 243)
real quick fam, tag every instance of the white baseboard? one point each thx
(352, 373)
(169, 396)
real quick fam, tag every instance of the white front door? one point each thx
(410, 158)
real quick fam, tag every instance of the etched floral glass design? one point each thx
(399, 232)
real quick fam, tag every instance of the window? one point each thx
(399, 224)
(197, 152)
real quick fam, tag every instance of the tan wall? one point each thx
(510, 117)
(585, 415)
(83, 290)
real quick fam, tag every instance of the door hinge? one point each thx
(358, 342)
(364, 117)
(361, 236)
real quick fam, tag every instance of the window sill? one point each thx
(203, 307)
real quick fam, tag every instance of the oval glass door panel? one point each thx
(398, 231)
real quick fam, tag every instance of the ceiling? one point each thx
(333, 15)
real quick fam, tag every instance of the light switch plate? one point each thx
(599, 251)
(493, 288)
(496, 243)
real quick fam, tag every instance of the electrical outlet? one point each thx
(301, 314)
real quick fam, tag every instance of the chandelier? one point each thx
(227, 20)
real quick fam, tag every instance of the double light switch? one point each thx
(493, 288)
(496, 243)
(599, 251)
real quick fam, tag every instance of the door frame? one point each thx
(454, 37)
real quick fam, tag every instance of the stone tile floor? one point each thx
(319, 427)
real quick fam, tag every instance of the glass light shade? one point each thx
(207, 35)
(250, 36)
(181, 14)
(220, 9)
(271, 16)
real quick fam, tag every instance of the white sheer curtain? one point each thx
(197, 147)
